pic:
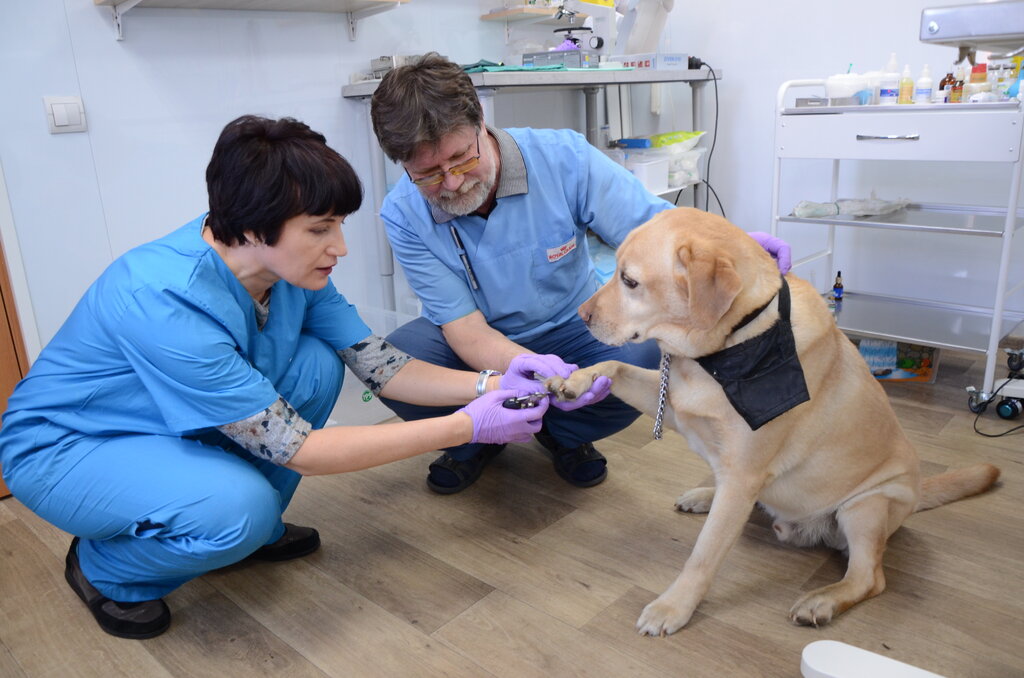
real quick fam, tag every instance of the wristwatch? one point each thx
(481, 381)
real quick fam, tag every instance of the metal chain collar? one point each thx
(666, 359)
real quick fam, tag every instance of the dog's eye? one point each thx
(627, 281)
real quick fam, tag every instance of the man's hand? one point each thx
(528, 370)
(777, 247)
(599, 390)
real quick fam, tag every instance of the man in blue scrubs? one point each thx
(490, 227)
(169, 421)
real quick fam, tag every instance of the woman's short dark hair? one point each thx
(421, 103)
(264, 172)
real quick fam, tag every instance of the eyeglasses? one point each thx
(454, 170)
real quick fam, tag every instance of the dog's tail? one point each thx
(953, 485)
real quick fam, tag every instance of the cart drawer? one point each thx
(980, 136)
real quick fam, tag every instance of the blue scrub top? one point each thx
(530, 255)
(166, 342)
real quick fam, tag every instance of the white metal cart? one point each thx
(991, 132)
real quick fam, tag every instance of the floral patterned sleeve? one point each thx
(374, 361)
(275, 434)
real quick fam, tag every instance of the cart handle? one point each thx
(784, 87)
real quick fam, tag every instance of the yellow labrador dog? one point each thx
(789, 418)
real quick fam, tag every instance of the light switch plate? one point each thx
(64, 114)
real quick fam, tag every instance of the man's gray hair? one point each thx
(421, 103)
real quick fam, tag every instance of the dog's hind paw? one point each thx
(661, 618)
(697, 500)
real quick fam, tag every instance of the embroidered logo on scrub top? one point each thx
(556, 253)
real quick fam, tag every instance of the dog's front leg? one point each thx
(634, 385)
(734, 498)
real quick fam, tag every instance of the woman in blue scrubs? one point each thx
(168, 422)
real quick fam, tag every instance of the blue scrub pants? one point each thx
(155, 511)
(572, 342)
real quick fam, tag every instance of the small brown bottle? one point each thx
(956, 91)
(943, 90)
(837, 287)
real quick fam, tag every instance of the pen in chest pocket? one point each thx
(461, 251)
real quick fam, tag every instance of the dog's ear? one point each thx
(711, 281)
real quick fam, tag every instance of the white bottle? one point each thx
(923, 87)
(873, 78)
(889, 83)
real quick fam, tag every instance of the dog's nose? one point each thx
(585, 311)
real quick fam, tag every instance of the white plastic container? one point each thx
(846, 86)
(873, 78)
(889, 83)
(923, 87)
(651, 169)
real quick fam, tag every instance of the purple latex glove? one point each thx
(521, 371)
(495, 424)
(601, 387)
(777, 247)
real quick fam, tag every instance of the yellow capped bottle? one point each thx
(906, 95)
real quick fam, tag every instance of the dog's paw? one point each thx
(571, 388)
(662, 618)
(556, 386)
(697, 500)
(814, 609)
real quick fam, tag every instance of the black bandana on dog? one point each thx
(761, 376)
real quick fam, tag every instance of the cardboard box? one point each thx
(653, 61)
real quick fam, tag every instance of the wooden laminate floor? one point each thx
(523, 575)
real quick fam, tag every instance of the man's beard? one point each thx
(467, 198)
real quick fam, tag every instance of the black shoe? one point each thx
(582, 466)
(296, 542)
(142, 620)
(448, 476)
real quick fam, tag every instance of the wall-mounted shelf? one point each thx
(544, 16)
(355, 9)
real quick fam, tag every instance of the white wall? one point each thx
(156, 102)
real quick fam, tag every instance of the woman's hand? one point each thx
(529, 370)
(493, 423)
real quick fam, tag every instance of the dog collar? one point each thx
(748, 318)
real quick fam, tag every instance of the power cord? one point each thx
(696, 63)
(982, 406)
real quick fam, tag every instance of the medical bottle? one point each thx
(923, 87)
(978, 81)
(889, 83)
(837, 287)
(956, 92)
(942, 92)
(906, 95)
